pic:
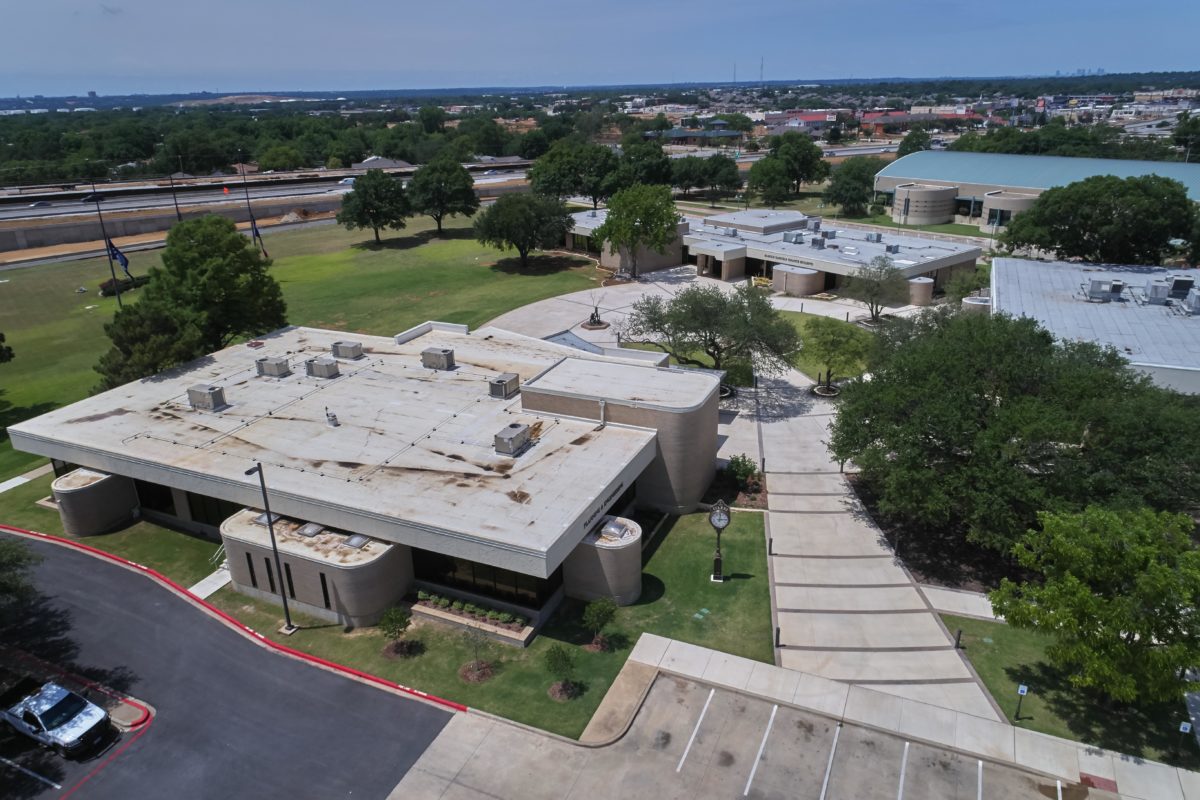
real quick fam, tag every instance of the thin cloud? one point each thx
(111, 11)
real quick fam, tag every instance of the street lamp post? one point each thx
(718, 517)
(288, 627)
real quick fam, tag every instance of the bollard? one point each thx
(958, 639)
(770, 546)
(777, 644)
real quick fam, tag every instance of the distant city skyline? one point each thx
(70, 47)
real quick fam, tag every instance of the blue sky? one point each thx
(119, 46)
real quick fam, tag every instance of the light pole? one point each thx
(288, 627)
(718, 517)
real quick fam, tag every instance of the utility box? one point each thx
(437, 358)
(321, 367)
(504, 385)
(206, 397)
(511, 440)
(273, 366)
(348, 350)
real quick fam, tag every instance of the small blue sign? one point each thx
(1185, 727)
(1022, 690)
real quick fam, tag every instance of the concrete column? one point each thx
(91, 502)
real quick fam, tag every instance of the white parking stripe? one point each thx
(829, 767)
(979, 791)
(761, 746)
(1059, 789)
(695, 730)
(19, 768)
(903, 769)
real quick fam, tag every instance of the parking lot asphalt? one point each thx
(233, 719)
(690, 740)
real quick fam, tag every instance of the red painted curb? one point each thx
(124, 698)
(333, 665)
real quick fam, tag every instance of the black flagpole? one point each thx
(254, 235)
(107, 249)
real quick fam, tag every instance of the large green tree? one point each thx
(377, 201)
(705, 326)
(1119, 593)
(443, 188)
(523, 222)
(770, 181)
(802, 156)
(1106, 219)
(213, 287)
(972, 424)
(688, 173)
(915, 141)
(877, 284)
(852, 184)
(641, 163)
(720, 176)
(574, 167)
(642, 216)
(16, 559)
(836, 345)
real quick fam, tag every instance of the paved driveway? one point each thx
(233, 719)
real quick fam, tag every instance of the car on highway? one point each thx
(39, 204)
(346, 181)
(52, 716)
(92, 198)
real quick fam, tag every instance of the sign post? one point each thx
(1022, 690)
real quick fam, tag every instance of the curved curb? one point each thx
(235, 624)
(145, 713)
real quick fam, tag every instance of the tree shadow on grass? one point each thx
(539, 265)
(398, 241)
(11, 415)
(1133, 730)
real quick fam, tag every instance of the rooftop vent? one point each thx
(1180, 286)
(1192, 301)
(356, 542)
(205, 397)
(1158, 291)
(309, 530)
(437, 358)
(592, 213)
(731, 232)
(511, 440)
(347, 350)
(273, 366)
(261, 519)
(793, 237)
(814, 223)
(817, 243)
(892, 248)
(504, 385)
(874, 236)
(321, 367)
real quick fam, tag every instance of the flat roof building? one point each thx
(1149, 314)
(989, 188)
(460, 454)
(752, 242)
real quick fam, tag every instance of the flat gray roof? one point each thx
(1054, 294)
(412, 459)
(660, 387)
(1030, 172)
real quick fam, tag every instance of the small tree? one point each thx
(721, 176)
(880, 283)
(478, 669)
(837, 345)
(443, 188)
(770, 181)
(596, 617)
(641, 216)
(744, 470)
(523, 222)
(377, 201)
(1118, 594)
(560, 663)
(852, 184)
(394, 624)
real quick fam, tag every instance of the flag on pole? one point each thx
(257, 237)
(226, 190)
(119, 257)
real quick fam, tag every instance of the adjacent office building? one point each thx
(485, 463)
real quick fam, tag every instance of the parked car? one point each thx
(346, 181)
(52, 716)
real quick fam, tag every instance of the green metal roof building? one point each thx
(989, 188)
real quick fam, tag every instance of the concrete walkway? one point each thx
(25, 478)
(209, 585)
(845, 607)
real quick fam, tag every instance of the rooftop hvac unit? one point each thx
(789, 237)
(349, 350)
(511, 440)
(1157, 292)
(814, 223)
(437, 358)
(731, 232)
(504, 385)
(1192, 301)
(817, 243)
(1180, 286)
(273, 366)
(829, 234)
(321, 367)
(1115, 289)
(874, 237)
(205, 397)
(892, 248)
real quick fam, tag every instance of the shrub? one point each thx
(433, 598)
(505, 617)
(597, 615)
(493, 615)
(443, 602)
(560, 662)
(394, 622)
(457, 605)
(520, 621)
(471, 608)
(876, 210)
(422, 595)
(743, 469)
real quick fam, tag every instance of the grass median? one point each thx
(1007, 657)
(678, 601)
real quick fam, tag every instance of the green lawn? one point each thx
(678, 600)
(1006, 657)
(330, 277)
(803, 361)
(182, 558)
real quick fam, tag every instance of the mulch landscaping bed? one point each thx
(725, 487)
(475, 672)
(941, 558)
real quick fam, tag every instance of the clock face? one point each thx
(719, 519)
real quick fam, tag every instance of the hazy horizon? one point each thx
(68, 47)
